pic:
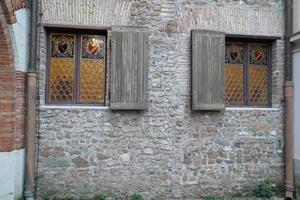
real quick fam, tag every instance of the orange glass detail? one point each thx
(258, 85)
(61, 80)
(234, 84)
(92, 81)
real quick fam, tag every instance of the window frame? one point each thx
(246, 44)
(78, 33)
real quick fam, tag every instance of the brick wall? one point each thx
(8, 11)
(7, 85)
(20, 109)
(19, 4)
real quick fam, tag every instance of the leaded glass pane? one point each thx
(92, 69)
(258, 75)
(234, 87)
(62, 46)
(234, 53)
(62, 68)
(258, 54)
(93, 47)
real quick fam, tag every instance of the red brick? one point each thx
(11, 131)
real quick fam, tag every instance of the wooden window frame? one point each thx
(246, 43)
(77, 50)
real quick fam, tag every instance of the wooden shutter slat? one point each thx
(129, 74)
(208, 51)
(145, 70)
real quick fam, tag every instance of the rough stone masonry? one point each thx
(168, 151)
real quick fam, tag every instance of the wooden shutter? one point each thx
(208, 51)
(129, 69)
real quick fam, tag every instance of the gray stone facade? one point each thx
(168, 151)
(297, 177)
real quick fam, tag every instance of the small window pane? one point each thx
(258, 75)
(92, 69)
(61, 68)
(62, 46)
(234, 73)
(258, 54)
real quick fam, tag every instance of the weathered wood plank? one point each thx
(129, 74)
(208, 51)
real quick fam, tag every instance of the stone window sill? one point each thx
(107, 108)
(252, 109)
(74, 107)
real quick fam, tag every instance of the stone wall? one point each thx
(297, 178)
(168, 151)
(296, 79)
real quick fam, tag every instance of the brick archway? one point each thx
(7, 81)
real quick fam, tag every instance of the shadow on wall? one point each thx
(297, 178)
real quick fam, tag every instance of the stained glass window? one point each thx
(76, 69)
(258, 75)
(92, 69)
(247, 74)
(62, 68)
(234, 87)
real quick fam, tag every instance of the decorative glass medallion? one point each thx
(93, 47)
(258, 55)
(62, 46)
(234, 53)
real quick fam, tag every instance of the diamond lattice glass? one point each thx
(92, 69)
(234, 87)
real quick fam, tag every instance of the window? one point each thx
(235, 71)
(247, 74)
(76, 68)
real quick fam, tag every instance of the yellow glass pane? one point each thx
(258, 85)
(61, 80)
(234, 84)
(92, 81)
